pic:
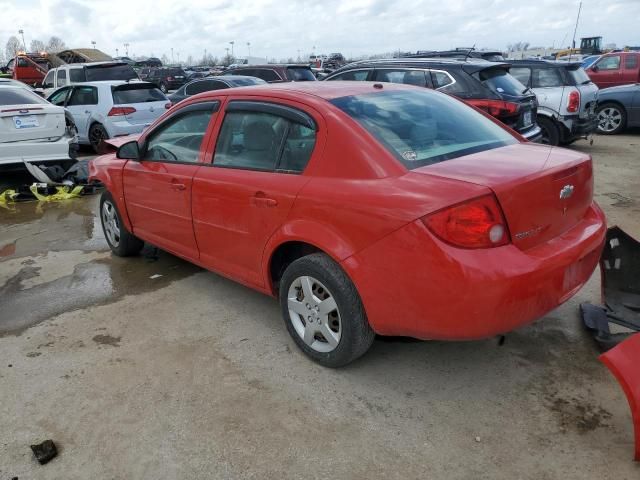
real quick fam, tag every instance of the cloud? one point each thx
(278, 29)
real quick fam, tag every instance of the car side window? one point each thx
(441, 79)
(76, 75)
(267, 75)
(408, 77)
(62, 77)
(353, 75)
(609, 63)
(179, 140)
(522, 74)
(48, 80)
(60, 97)
(263, 141)
(83, 96)
(546, 77)
(22, 62)
(203, 86)
(631, 62)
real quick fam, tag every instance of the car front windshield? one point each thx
(423, 127)
(137, 94)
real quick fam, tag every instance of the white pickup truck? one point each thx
(567, 98)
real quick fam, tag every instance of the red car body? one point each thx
(615, 68)
(359, 205)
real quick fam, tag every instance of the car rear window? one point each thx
(579, 76)
(175, 72)
(19, 96)
(423, 127)
(500, 81)
(110, 72)
(137, 94)
(302, 74)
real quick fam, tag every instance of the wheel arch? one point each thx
(296, 240)
(617, 103)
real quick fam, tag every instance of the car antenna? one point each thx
(469, 52)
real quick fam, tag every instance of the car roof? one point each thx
(323, 90)
(93, 64)
(272, 65)
(471, 64)
(228, 78)
(113, 83)
(545, 63)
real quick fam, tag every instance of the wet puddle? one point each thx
(54, 258)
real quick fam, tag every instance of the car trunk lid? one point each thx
(543, 191)
(19, 123)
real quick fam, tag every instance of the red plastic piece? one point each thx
(624, 362)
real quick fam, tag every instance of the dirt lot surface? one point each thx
(192, 376)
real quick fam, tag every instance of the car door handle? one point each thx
(261, 200)
(176, 185)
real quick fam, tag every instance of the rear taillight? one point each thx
(496, 108)
(167, 105)
(120, 111)
(574, 101)
(477, 223)
(170, 79)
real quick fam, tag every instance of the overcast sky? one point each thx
(278, 28)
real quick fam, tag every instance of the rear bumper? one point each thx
(533, 134)
(13, 153)
(413, 284)
(579, 127)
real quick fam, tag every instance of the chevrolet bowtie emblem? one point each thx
(566, 192)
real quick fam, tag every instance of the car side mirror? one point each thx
(129, 151)
(594, 68)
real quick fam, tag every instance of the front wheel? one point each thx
(612, 119)
(323, 311)
(120, 240)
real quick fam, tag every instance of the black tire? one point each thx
(126, 244)
(163, 88)
(550, 132)
(356, 333)
(616, 113)
(97, 134)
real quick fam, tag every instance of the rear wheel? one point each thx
(97, 134)
(120, 240)
(550, 132)
(163, 88)
(323, 311)
(612, 118)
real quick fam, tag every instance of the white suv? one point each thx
(73, 73)
(110, 109)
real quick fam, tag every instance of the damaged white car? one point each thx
(33, 130)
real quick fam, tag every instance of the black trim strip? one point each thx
(289, 113)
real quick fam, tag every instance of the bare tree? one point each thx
(55, 45)
(37, 46)
(13, 47)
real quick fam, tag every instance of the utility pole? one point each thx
(249, 48)
(117, 54)
(126, 46)
(172, 55)
(93, 42)
(231, 43)
(24, 45)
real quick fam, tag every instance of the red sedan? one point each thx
(365, 208)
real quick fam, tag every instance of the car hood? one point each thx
(620, 89)
(119, 141)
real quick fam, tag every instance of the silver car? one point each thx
(567, 98)
(108, 109)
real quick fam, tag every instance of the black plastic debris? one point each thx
(620, 266)
(45, 451)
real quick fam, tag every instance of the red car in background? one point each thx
(616, 68)
(364, 207)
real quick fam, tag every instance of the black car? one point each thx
(275, 73)
(213, 83)
(167, 78)
(483, 84)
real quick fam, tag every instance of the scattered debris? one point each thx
(620, 266)
(45, 451)
(107, 340)
(154, 276)
(478, 439)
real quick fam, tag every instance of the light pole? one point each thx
(249, 48)
(231, 43)
(94, 44)
(171, 54)
(126, 52)
(117, 54)
(24, 45)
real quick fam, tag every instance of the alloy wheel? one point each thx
(609, 119)
(110, 223)
(314, 314)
